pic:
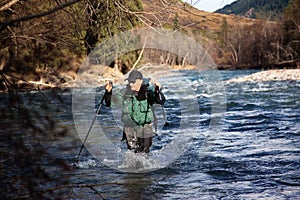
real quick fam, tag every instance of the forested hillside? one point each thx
(45, 40)
(267, 9)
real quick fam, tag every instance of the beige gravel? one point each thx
(270, 75)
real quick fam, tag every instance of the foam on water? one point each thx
(86, 164)
(132, 162)
(138, 162)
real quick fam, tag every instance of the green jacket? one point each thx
(137, 111)
(136, 107)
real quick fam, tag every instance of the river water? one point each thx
(223, 141)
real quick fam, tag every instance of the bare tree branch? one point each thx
(140, 56)
(8, 5)
(3, 25)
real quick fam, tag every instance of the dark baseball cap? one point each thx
(133, 76)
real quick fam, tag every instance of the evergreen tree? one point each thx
(270, 9)
(176, 25)
(108, 18)
(292, 27)
(43, 34)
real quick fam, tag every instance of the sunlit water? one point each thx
(246, 146)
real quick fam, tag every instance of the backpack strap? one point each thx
(148, 104)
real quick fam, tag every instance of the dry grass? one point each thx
(204, 27)
(191, 19)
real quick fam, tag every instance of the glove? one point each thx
(108, 87)
(108, 93)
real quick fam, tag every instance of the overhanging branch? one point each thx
(3, 25)
(8, 5)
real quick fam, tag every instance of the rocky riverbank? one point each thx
(98, 75)
(270, 75)
(93, 75)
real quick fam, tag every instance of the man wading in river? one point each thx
(137, 114)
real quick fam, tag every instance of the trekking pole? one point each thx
(87, 135)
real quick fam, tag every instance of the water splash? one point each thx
(90, 163)
(138, 162)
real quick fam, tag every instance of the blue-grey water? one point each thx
(239, 141)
